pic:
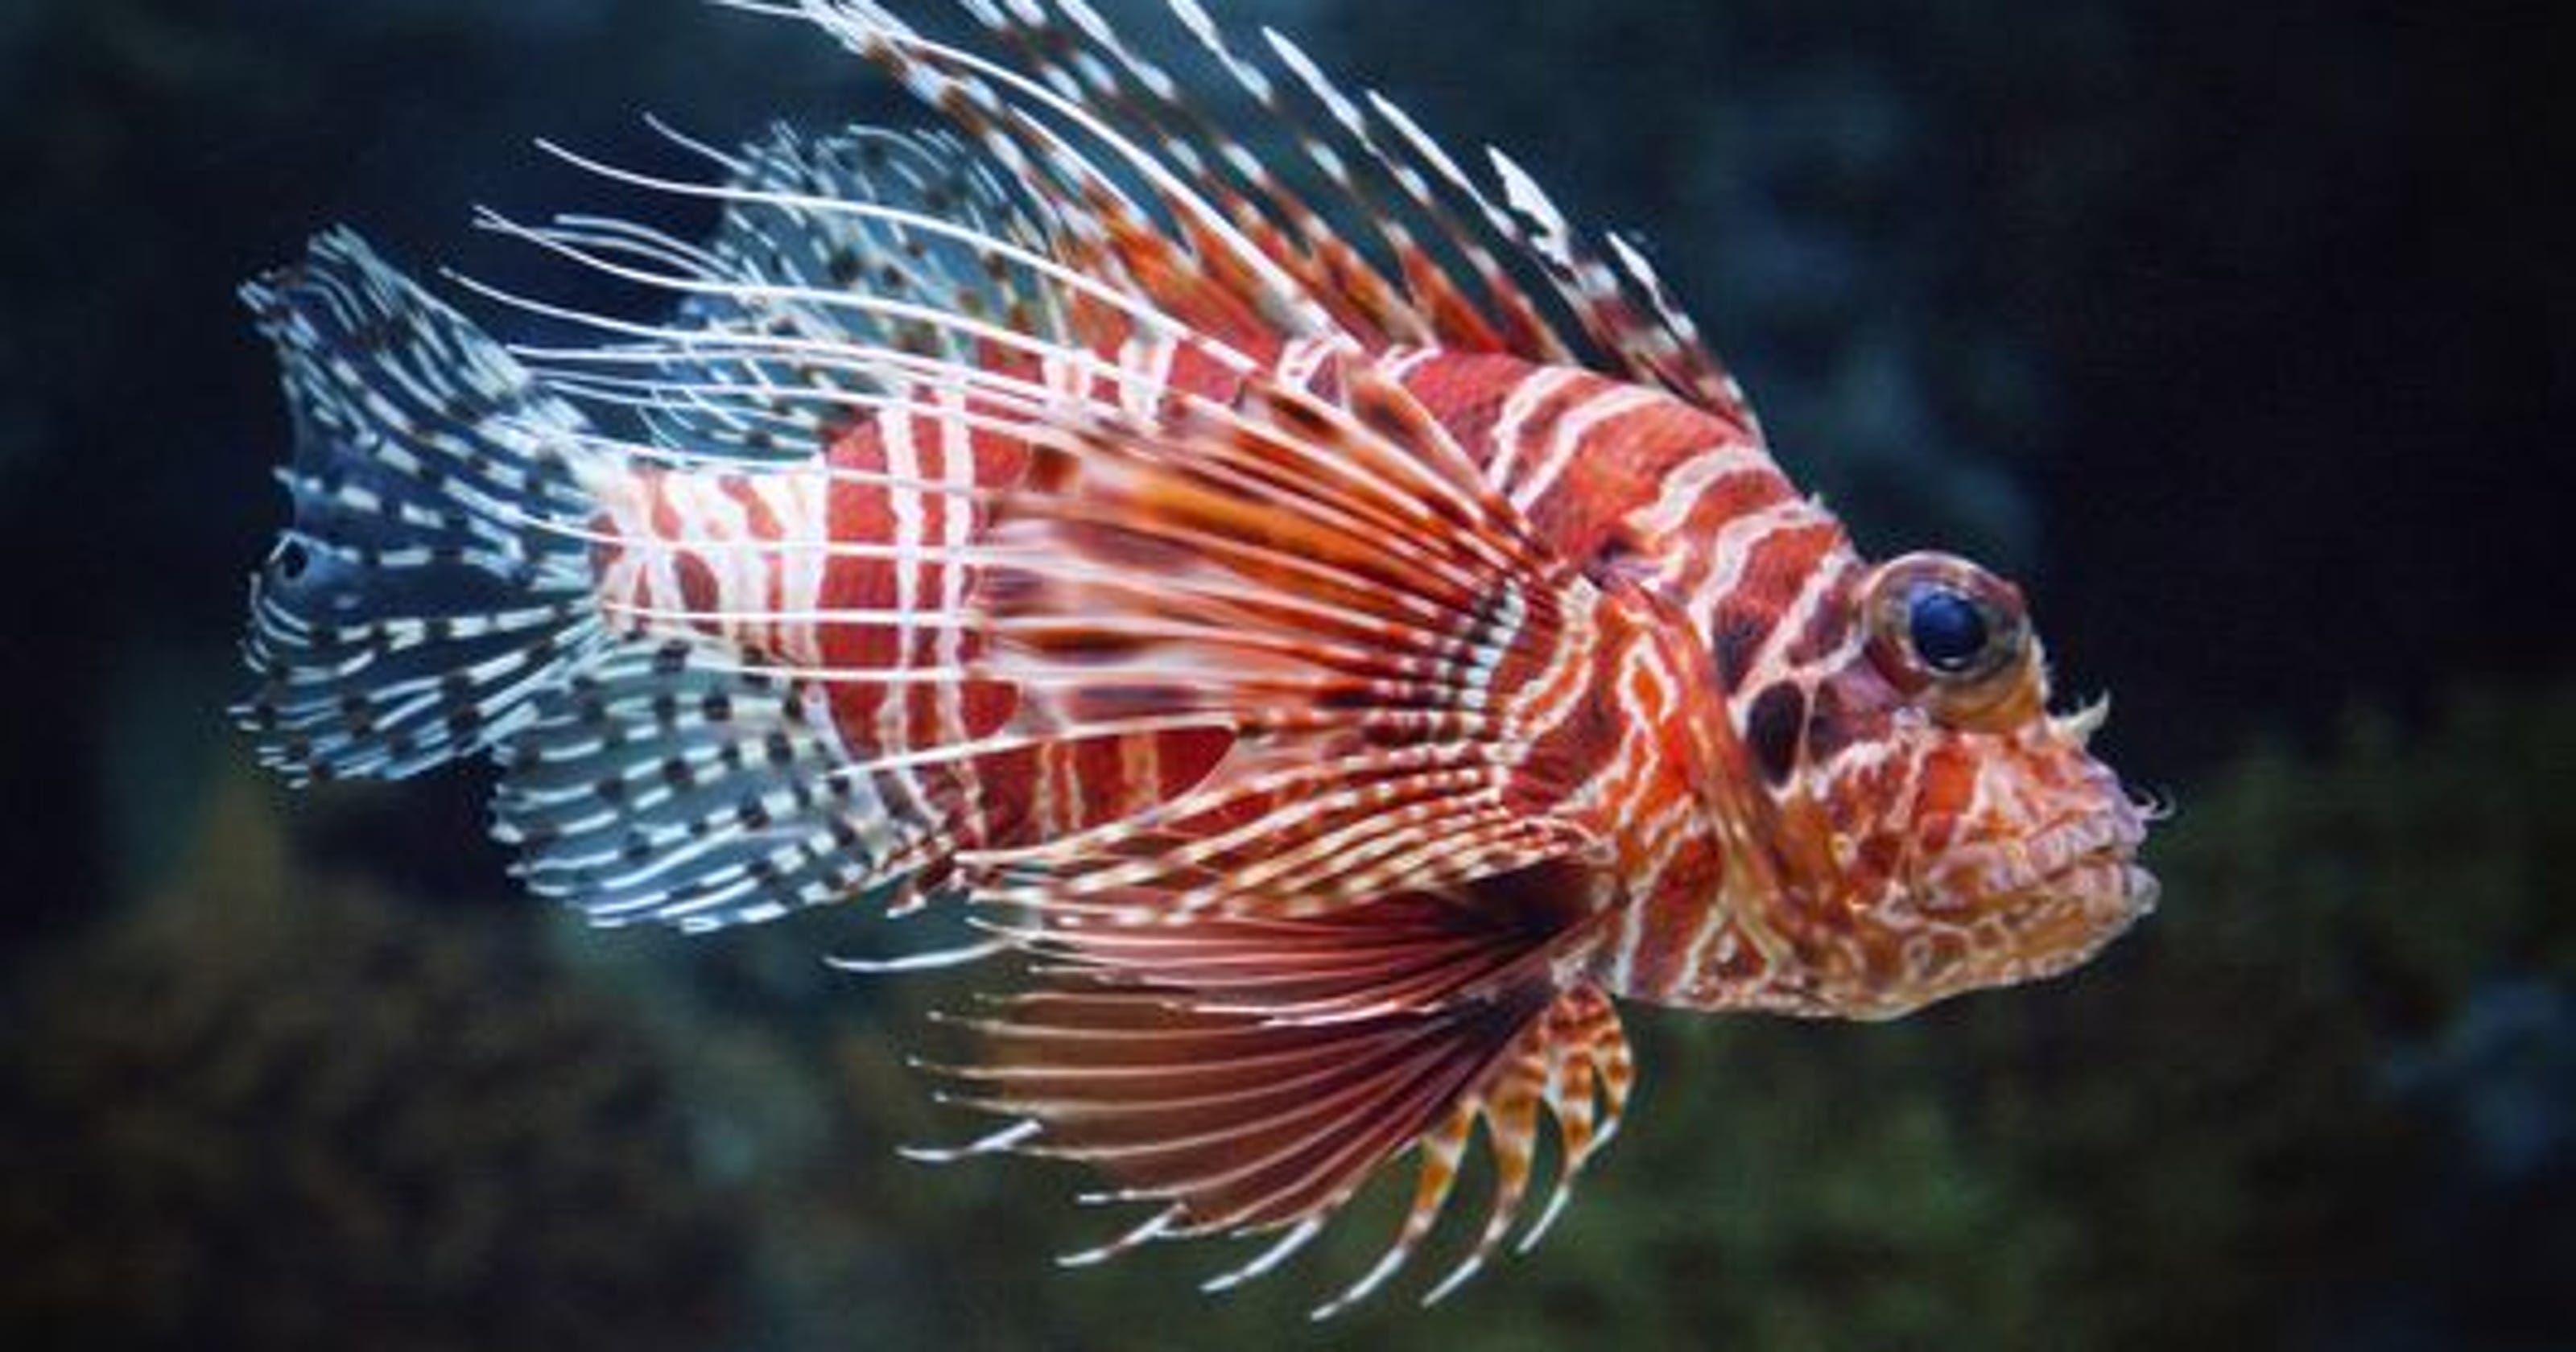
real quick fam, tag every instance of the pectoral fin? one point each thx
(1271, 1069)
(1385, 637)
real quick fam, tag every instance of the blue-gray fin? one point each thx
(417, 598)
(826, 244)
(665, 783)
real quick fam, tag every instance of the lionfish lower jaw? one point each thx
(2143, 892)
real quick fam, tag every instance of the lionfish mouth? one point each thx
(2089, 859)
(2093, 855)
(2090, 856)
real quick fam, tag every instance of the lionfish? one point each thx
(1337, 626)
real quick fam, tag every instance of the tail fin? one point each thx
(413, 606)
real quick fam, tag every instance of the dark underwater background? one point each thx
(2244, 336)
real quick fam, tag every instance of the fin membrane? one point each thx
(413, 604)
(814, 292)
(844, 271)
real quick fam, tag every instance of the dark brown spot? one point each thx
(1827, 626)
(1300, 421)
(1740, 632)
(1771, 730)
(1384, 411)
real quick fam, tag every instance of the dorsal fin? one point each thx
(827, 247)
(1394, 244)
(789, 253)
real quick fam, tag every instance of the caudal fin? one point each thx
(415, 604)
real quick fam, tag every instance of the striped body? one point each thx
(1681, 510)
(1347, 634)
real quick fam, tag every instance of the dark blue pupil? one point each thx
(1948, 632)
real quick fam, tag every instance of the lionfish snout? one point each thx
(2041, 894)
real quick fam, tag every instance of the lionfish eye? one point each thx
(1942, 621)
(1948, 631)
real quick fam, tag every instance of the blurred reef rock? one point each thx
(274, 1110)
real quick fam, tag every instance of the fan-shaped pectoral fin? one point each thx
(1229, 1119)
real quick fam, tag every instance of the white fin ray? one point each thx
(1612, 313)
(780, 266)
(1008, 112)
(1027, 255)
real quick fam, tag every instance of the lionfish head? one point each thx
(1963, 835)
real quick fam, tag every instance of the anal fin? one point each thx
(663, 782)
